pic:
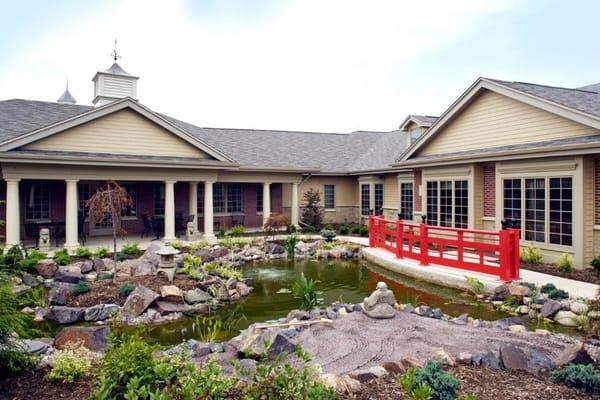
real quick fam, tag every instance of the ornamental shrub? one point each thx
(83, 252)
(125, 289)
(102, 252)
(80, 288)
(578, 376)
(62, 257)
(531, 255)
(131, 249)
(565, 263)
(69, 366)
(104, 276)
(32, 258)
(328, 234)
(238, 230)
(595, 264)
(308, 229)
(344, 229)
(557, 294)
(547, 288)
(363, 231)
(312, 211)
(12, 258)
(443, 384)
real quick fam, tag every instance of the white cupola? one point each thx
(113, 84)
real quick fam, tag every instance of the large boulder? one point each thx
(196, 296)
(219, 252)
(150, 255)
(566, 318)
(167, 307)
(171, 293)
(256, 343)
(86, 266)
(275, 248)
(94, 338)
(513, 358)
(519, 290)
(143, 268)
(68, 276)
(65, 315)
(243, 289)
(549, 308)
(58, 294)
(574, 354)
(101, 312)
(46, 268)
(138, 301)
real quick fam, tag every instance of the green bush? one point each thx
(412, 390)
(291, 229)
(83, 252)
(121, 256)
(131, 249)
(565, 263)
(443, 384)
(102, 252)
(531, 255)
(547, 288)
(62, 257)
(125, 289)
(12, 258)
(308, 229)
(327, 234)
(276, 379)
(306, 290)
(363, 231)
(557, 294)
(595, 264)
(32, 258)
(80, 288)
(290, 246)
(344, 230)
(69, 366)
(578, 376)
(228, 271)
(104, 276)
(222, 231)
(475, 285)
(238, 230)
(355, 229)
(13, 358)
(192, 267)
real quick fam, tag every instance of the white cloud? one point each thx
(316, 65)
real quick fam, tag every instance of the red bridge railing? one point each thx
(490, 252)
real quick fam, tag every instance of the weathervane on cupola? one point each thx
(114, 83)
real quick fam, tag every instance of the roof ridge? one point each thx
(47, 102)
(269, 130)
(542, 85)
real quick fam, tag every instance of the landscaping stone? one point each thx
(505, 323)
(351, 385)
(519, 291)
(143, 268)
(500, 292)
(275, 248)
(68, 277)
(57, 295)
(380, 304)
(410, 360)
(487, 359)
(99, 265)
(300, 315)
(101, 312)
(566, 318)
(252, 342)
(138, 301)
(191, 348)
(167, 307)
(86, 266)
(577, 307)
(408, 308)
(216, 347)
(46, 268)
(30, 280)
(464, 358)
(393, 367)
(549, 308)
(523, 309)
(218, 252)
(437, 313)
(513, 358)
(243, 289)
(65, 315)
(94, 338)
(196, 296)
(444, 357)
(574, 354)
(149, 256)
(517, 329)
(35, 346)
(171, 293)
(460, 320)
(378, 371)
(362, 376)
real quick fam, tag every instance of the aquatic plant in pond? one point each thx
(290, 246)
(306, 291)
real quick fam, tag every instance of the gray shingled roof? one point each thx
(424, 120)
(585, 99)
(329, 152)
(548, 144)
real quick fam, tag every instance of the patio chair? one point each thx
(237, 219)
(180, 224)
(81, 228)
(32, 230)
(147, 225)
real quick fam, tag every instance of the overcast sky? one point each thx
(300, 65)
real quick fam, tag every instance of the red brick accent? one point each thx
(597, 191)
(489, 190)
(416, 196)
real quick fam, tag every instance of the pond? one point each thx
(345, 281)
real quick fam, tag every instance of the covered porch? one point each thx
(164, 202)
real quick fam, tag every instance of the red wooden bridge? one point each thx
(490, 252)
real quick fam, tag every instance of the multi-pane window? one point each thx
(365, 198)
(259, 198)
(561, 211)
(37, 201)
(219, 197)
(448, 203)
(378, 198)
(535, 209)
(406, 201)
(329, 195)
(512, 201)
(432, 203)
(84, 192)
(234, 198)
(159, 199)
(461, 204)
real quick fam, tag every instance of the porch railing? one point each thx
(486, 251)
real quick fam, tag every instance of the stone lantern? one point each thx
(167, 261)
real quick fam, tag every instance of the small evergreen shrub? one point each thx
(531, 255)
(363, 231)
(32, 258)
(558, 294)
(69, 366)
(13, 257)
(595, 264)
(444, 385)
(328, 234)
(411, 390)
(80, 288)
(578, 376)
(131, 249)
(102, 252)
(121, 256)
(344, 230)
(547, 288)
(62, 257)
(222, 231)
(308, 229)
(238, 230)
(83, 252)
(291, 229)
(104, 276)
(355, 229)
(125, 289)
(565, 263)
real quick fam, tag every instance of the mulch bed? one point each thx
(583, 275)
(33, 385)
(106, 291)
(484, 384)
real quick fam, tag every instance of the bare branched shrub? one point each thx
(275, 223)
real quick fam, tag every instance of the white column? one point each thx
(169, 211)
(295, 205)
(193, 206)
(13, 218)
(71, 208)
(266, 201)
(209, 235)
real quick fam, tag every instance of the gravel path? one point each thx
(356, 342)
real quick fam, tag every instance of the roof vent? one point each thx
(113, 84)
(66, 97)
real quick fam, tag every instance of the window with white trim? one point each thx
(561, 211)
(378, 198)
(535, 209)
(512, 201)
(37, 201)
(448, 203)
(365, 198)
(329, 196)
(406, 201)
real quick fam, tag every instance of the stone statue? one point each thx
(44, 242)
(380, 304)
(190, 232)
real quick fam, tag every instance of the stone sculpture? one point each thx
(380, 304)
